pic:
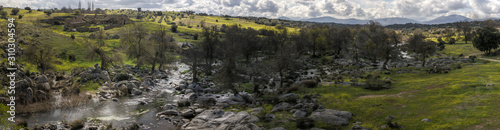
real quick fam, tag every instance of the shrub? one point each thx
(20, 17)
(14, 11)
(174, 28)
(374, 83)
(27, 8)
(77, 124)
(309, 83)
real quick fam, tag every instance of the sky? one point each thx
(421, 10)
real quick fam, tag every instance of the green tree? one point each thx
(466, 29)
(486, 39)
(3, 14)
(209, 46)
(27, 8)
(99, 49)
(134, 39)
(14, 11)
(419, 46)
(40, 54)
(77, 12)
(163, 45)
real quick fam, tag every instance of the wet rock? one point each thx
(169, 106)
(170, 112)
(188, 113)
(332, 117)
(281, 107)
(199, 110)
(136, 91)
(143, 103)
(114, 99)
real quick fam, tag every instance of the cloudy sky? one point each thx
(298, 9)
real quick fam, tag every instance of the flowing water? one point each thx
(121, 113)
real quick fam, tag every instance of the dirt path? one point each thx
(475, 54)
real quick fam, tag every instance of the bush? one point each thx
(27, 8)
(73, 36)
(77, 124)
(309, 83)
(77, 12)
(374, 83)
(14, 11)
(20, 17)
(174, 28)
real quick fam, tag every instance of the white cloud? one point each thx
(362, 9)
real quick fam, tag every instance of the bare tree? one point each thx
(209, 46)
(133, 37)
(466, 29)
(164, 46)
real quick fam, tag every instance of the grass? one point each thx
(459, 48)
(456, 100)
(89, 86)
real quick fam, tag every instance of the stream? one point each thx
(121, 113)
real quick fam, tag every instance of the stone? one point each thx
(278, 128)
(188, 113)
(289, 97)
(136, 91)
(283, 106)
(333, 117)
(168, 113)
(250, 126)
(169, 106)
(426, 120)
(114, 99)
(256, 111)
(358, 127)
(41, 79)
(269, 117)
(143, 103)
(299, 114)
(304, 123)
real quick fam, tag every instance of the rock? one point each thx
(256, 111)
(188, 113)
(332, 117)
(389, 118)
(169, 106)
(289, 97)
(316, 129)
(426, 120)
(299, 114)
(278, 128)
(490, 85)
(210, 114)
(269, 117)
(114, 99)
(250, 126)
(188, 91)
(24, 93)
(143, 103)
(168, 113)
(281, 107)
(40, 96)
(304, 123)
(136, 91)
(358, 127)
(199, 110)
(41, 79)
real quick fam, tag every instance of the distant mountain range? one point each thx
(387, 21)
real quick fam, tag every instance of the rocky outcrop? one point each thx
(220, 120)
(332, 117)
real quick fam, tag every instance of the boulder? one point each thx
(278, 128)
(269, 117)
(188, 113)
(41, 79)
(333, 117)
(299, 114)
(169, 106)
(426, 120)
(289, 97)
(358, 127)
(256, 111)
(305, 123)
(283, 106)
(170, 112)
